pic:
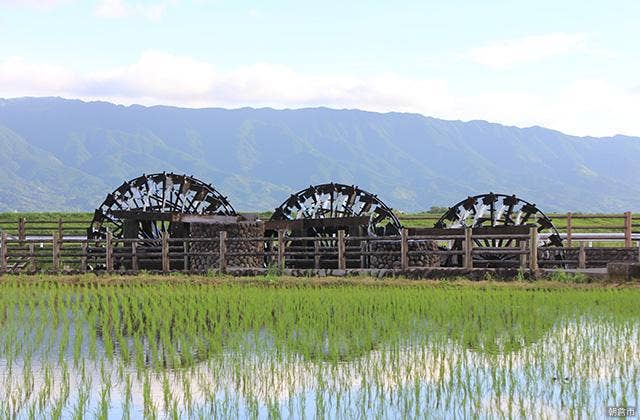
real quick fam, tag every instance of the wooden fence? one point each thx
(511, 247)
(621, 228)
(576, 227)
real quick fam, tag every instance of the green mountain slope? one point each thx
(67, 155)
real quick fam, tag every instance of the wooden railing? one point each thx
(621, 228)
(166, 254)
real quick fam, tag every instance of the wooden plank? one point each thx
(303, 224)
(523, 256)
(222, 262)
(342, 262)
(484, 230)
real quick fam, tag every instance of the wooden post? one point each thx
(22, 229)
(83, 258)
(342, 261)
(185, 255)
(165, 252)
(523, 254)
(281, 246)
(404, 248)
(467, 246)
(569, 228)
(109, 252)
(32, 258)
(533, 249)
(363, 254)
(55, 254)
(627, 229)
(222, 261)
(3, 252)
(316, 254)
(134, 256)
(60, 228)
(582, 256)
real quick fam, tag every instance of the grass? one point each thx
(199, 346)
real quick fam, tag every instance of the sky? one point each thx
(571, 65)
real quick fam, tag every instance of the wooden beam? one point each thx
(303, 224)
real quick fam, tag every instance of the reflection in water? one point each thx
(65, 357)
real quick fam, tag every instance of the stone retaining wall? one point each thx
(595, 257)
(393, 261)
(234, 230)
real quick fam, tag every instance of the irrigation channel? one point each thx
(355, 351)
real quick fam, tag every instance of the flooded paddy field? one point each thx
(190, 349)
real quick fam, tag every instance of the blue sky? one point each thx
(570, 65)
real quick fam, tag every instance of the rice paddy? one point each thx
(188, 348)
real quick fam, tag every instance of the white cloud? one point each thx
(153, 10)
(506, 54)
(584, 107)
(39, 4)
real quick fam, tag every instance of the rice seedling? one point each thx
(223, 349)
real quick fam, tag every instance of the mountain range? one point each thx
(59, 154)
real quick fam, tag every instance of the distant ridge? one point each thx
(58, 154)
